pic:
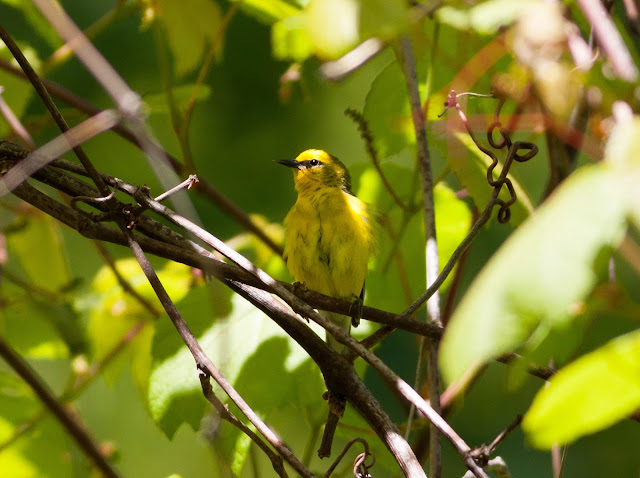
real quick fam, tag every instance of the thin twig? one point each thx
(354, 59)
(77, 137)
(344, 452)
(367, 137)
(187, 183)
(204, 188)
(71, 423)
(225, 414)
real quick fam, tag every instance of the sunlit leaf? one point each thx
(542, 270)
(333, 26)
(484, 17)
(290, 40)
(453, 221)
(112, 313)
(590, 394)
(268, 11)
(247, 347)
(622, 152)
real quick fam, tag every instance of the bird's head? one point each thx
(314, 167)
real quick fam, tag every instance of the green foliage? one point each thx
(485, 18)
(330, 28)
(588, 395)
(543, 285)
(534, 283)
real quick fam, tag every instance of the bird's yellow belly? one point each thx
(328, 248)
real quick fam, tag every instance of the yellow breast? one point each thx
(329, 241)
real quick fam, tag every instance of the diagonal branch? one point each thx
(71, 423)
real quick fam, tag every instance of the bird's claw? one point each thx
(299, 287)
(355, 310)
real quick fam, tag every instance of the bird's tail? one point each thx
(344, 322)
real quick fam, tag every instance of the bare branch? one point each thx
(64, 416)
(432, 265)
(226, 414)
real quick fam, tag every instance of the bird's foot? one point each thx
(355, 310)
(299, 287)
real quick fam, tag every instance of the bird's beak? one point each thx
(291, 163)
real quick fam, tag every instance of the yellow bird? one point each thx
(329, 233)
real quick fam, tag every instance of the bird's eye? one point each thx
(314, 162)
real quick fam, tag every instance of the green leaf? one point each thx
(290, 40)
(333, 26)
(535, 280)
(37, 328)
(384, 19)
(388, 112)
(39, 249)
(268, 11)
(453, 221)
(191, 28)
(240, 452)
(590, 394)
(112, 313)
(37, 21)
(623, 152)
(330, 28)
(247, 347)
(485, 18)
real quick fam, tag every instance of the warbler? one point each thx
(329, 233)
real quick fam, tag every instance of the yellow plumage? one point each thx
(329, 233)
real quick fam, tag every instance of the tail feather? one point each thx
(344, 322)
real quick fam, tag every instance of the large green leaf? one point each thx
(112, 313)
(39, 250)
(246, 346)
(543, 270)
(588, 395)
(388, 112)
